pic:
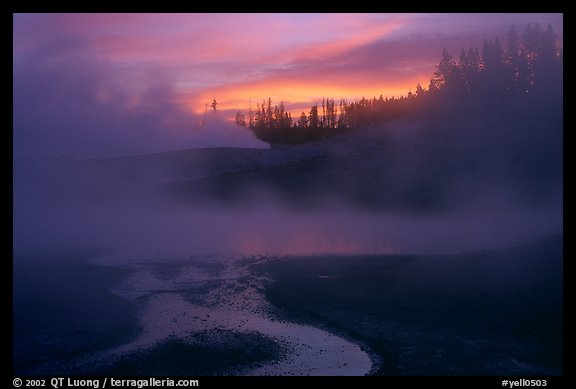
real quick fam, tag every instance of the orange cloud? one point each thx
(235, 58)
(295, 58)
(299, 95)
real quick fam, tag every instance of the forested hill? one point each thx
(524, 74)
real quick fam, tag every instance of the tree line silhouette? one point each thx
(529, 65)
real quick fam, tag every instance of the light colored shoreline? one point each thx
(233, 302)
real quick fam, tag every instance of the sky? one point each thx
(88, 85)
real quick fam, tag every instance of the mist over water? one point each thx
(272, 228)
(475, 179)
(452, 174)
(152, 235)
(68, 203)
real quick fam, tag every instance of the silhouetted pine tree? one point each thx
(532, 64)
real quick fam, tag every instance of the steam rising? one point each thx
(234, 201)
(453, 177)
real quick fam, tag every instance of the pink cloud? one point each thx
(290, 57)
(196, 38)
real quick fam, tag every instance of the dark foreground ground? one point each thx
(65, 314)
(484, 313)
(62, 308)
(215, 352)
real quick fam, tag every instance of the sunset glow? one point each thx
(170, 66)
(287, 195)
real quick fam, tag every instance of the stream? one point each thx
(205, 293)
